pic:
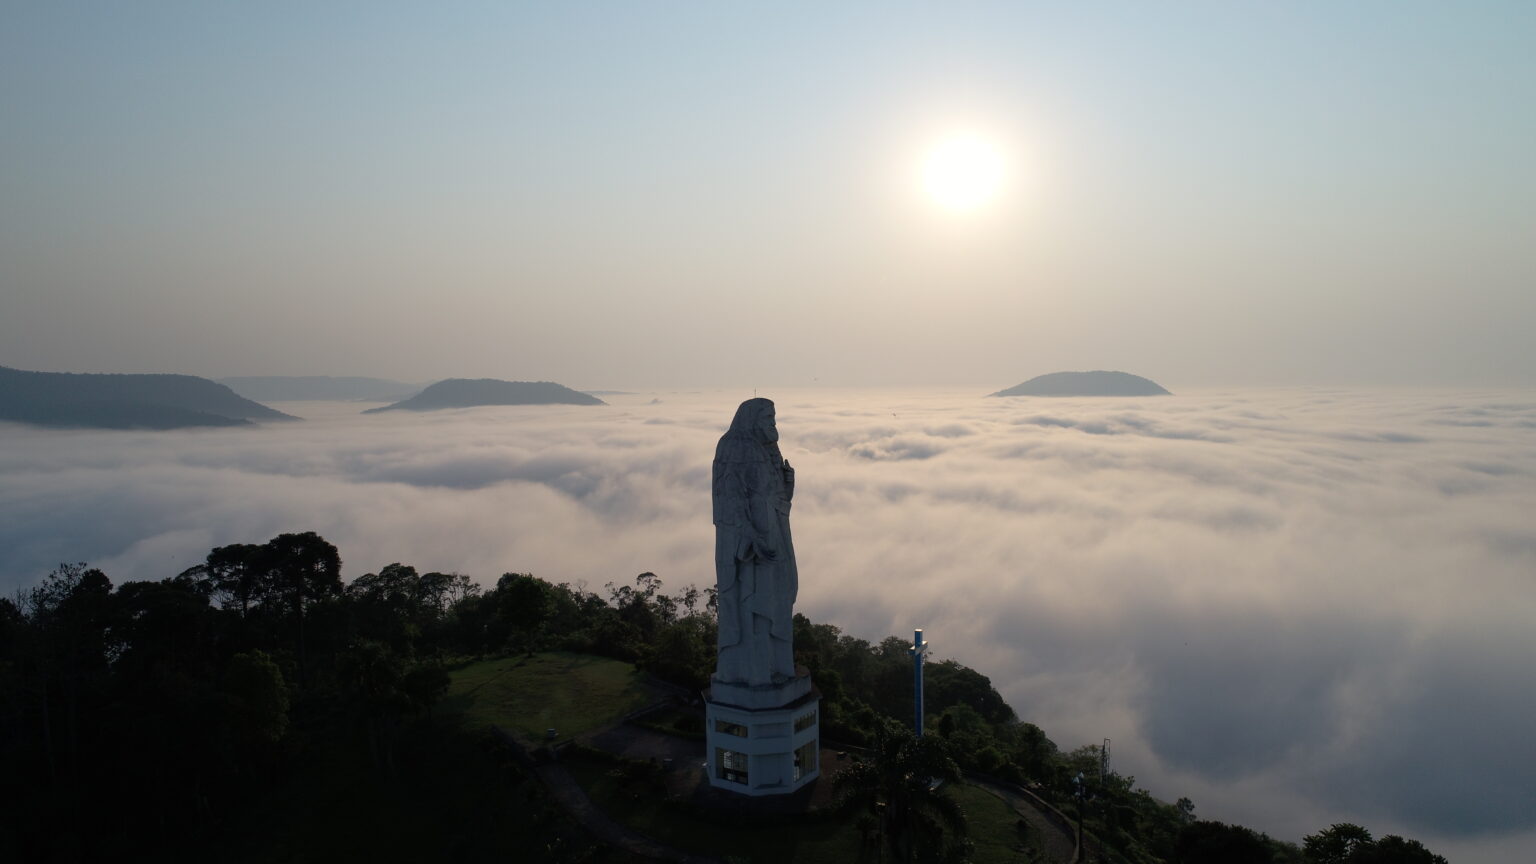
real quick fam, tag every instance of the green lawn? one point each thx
(993, 826)
(570, 693)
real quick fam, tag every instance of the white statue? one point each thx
(754, 557)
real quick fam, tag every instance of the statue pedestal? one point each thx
(762, 740)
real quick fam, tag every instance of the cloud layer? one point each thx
(1295, 607)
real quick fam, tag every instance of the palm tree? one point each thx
(900, 784)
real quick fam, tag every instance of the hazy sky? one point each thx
(655, 194)
(1294, 605)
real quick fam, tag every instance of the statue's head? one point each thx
(756, 417)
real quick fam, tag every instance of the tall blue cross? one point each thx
(919, 650)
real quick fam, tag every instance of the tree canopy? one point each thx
(147, 713)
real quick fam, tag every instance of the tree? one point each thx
(1393, 849)
(887, 680)
(231, 574)
(388, 605)
(257, 698)
(374, 681)
(1033, 752)
(396, 588)
(643, 607)
(1336, 844)
(1203, 842)
(443, 591)
(684, 652)
(13, 625)
(901, 786)
(815, 644)
(969, 738)
(950, 683)
(300, 570)
(523, 603)
(690, 599)
(424, 684)
(70, 613)
(1347, 843)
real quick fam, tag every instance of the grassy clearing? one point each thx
(570, 693)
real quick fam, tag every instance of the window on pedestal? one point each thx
(730, 765)
(805, 722)
(805, 760)
(727, 728)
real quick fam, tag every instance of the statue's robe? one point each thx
(754, 556)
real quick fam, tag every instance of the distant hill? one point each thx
(470, 392)
(277, 388)
(1086, 384)
(96, 401)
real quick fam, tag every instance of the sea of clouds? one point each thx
(1295, 607)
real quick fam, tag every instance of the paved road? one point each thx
(565, 790)
(1059, 843)
(569, 795)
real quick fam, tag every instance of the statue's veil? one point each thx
(743, 433)
(748, 413)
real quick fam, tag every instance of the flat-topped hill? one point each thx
(281, 388)
(1097, 383)
(103, 401)
(473, 392)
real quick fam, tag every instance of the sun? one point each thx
(963, 172)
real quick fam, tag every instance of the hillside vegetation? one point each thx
(255, 707)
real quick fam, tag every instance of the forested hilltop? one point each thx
(254, 708)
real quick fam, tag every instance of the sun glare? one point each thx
(963, 172)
